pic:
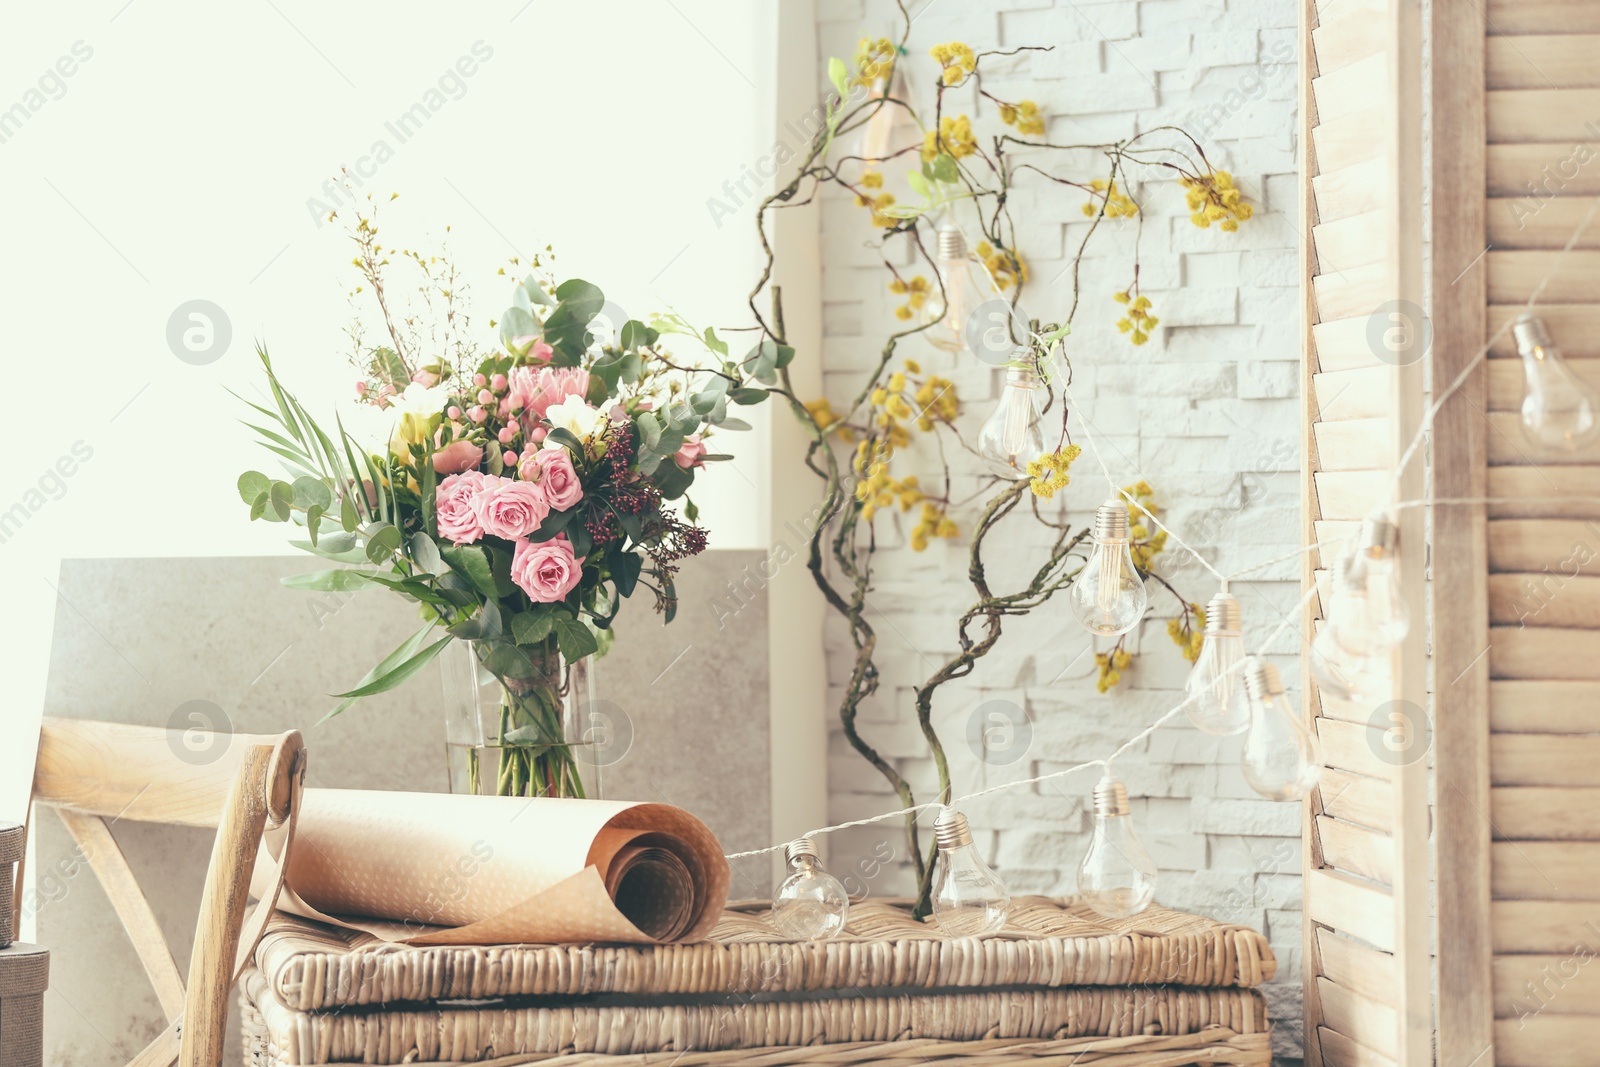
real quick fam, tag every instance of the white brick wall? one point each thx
(1206, 411)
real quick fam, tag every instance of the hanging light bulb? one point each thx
(810, 904)
(968, 898)
(1109, 597)
(1217, 702)
(1338, 669)
(1387, 620)
(1559, 410)
(967, 286)
(1011, 438)
(1117, 878)
(892, 129)
(1281, 760)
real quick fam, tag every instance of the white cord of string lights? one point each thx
(1289, 618)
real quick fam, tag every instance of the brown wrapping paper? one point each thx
(443, 869)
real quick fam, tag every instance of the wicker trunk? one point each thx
(1059, 985)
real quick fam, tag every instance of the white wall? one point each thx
(1206, 412)
(176, 162)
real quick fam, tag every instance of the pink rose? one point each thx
(552, 468)
(690, 455)
(508, 508)
(534, 389)
(547, 571)
(457, 456)
(453, 508)
(539, 353)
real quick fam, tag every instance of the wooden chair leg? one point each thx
(222, 911)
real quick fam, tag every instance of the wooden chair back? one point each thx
(241, 785)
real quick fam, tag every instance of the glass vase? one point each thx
(517, 727)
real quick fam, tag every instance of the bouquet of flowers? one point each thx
(519, 498)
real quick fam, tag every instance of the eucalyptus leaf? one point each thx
(280, 499)
(425, 554)
(252, 484)
(383, 541)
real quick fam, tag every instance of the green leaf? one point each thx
(839, 75)
(562, 435)
(407, 649)
(748, 394)
(715, 343)
(919, 185)
(944, 168)
(425, 554)
(258, 509)
(314, 522)
(383, 541)
(482, 626)
(500, 566)
(280, 500)
(311, 491)
(339, 580)
(348, 518)
(691, 510)
(536, 292)
(727, 423)
(531, 627)
(636, 335)
(470, 562)
(649, 428)
(625, 568)
(387, 366)
(252, 484)
(399, 674)
(553, 524)
(672, 480)
(575, 639)
(340, 547)
(517, 322)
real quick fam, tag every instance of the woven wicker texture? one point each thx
(279, 1037)
(13, 839)
(1047, 943)
(24, 974)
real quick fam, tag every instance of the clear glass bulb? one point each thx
(1011, 438)
(1560, 412)
(1336, 671)
(1281, 759)
(1217, 703)
(968, 898)
(1117, 877)
(892, 130)
(1387, 619)
(966, 288)
(1108, 596)
(810, 904)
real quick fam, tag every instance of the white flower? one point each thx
(400, 421)
(575, 415)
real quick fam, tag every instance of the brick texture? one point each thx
(1206, 412)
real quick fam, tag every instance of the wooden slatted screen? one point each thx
(1367, 914)
(1519, 877)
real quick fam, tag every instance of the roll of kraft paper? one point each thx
(444, 869)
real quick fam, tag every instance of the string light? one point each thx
(1010, 439)
(1117, 877)
(810, 904)
(1217, 703)
(1109, 597)
(1558, 408)
(1339, 671)
(968, 898)
(1281, 759)
(966, 284)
